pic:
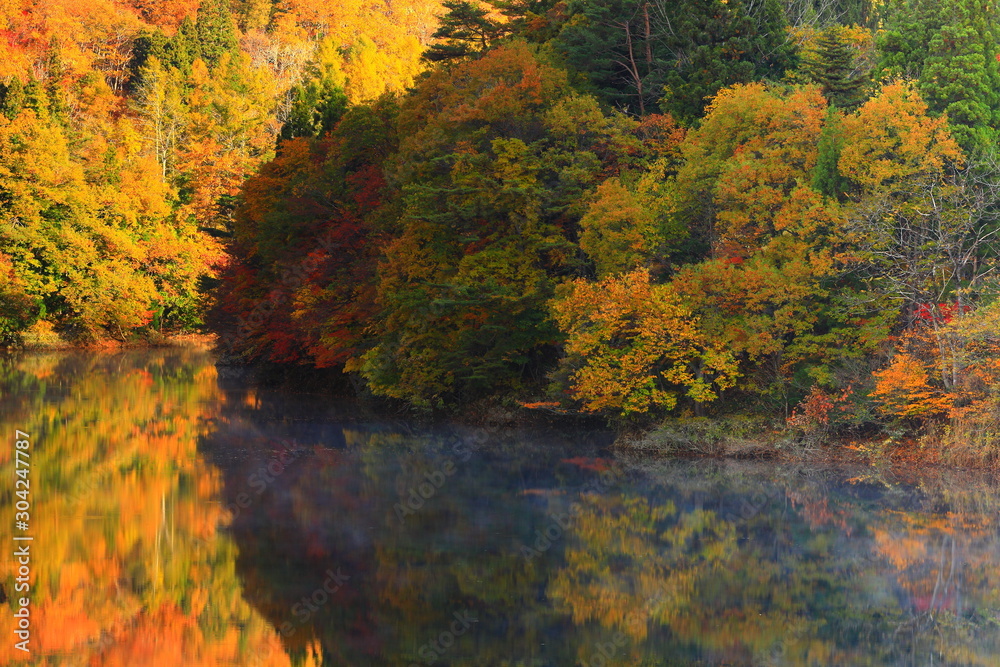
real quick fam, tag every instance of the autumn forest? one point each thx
(635, 208)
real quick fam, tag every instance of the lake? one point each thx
(179, 516)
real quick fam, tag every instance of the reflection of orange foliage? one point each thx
(167, 636)
(817, 511)
(127, 519)
(597, 465)
(901, 550)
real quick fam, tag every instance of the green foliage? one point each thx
(216, 33)
(826, 177)
(952, 52)
(466, 29)
(633, 51)
(832, 67)
(496, 156)
(319, 101)
(13, 98)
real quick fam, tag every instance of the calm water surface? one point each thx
(183, 518)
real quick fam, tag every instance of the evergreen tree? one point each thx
(826, 178)
(951, 50)
(184, 46)
(319, 101)
(466, 30)
(215, 30)
(12, 98)
(832, 67)
(632, 51)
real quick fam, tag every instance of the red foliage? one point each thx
(941, 312)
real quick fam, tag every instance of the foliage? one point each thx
(632, 51)
(466, 29)
(835, 58)
(636, 348)
(952, 54)
(494, 157)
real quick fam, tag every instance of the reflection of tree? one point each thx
(691, 563)
(126, 560)
(407, 577)
(813, 574)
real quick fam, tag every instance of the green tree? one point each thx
(631, 51)
(496, 157)
(466, 29)
(952, 53)
(319, 101)
(215, 30)
(832, 66)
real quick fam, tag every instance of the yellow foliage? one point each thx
(637, 346)
(891, 137)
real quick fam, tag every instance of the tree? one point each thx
(215, 30)
(634, 348)
(755, 146)
(495, 157)
(301, 285)
(631, 50)
(628, 228)
(776, 246)
(952, 53)
(465, 30)
(832, 65)
(319, 101)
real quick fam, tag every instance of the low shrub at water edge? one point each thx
(742, 436)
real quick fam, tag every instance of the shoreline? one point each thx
(720, 438)
(56, 343)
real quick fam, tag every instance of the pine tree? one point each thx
(466, 30)
(961, 76)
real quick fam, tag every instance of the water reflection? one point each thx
(128, 564)
(181, 520)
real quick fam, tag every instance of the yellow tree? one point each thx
(634, 347)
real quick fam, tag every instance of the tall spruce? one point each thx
(215, 30)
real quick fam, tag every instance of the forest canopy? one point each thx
(635, 208)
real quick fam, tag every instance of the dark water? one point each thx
(180, 518)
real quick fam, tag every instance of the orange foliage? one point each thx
(166, 13)
(905, 389)
(754, 147)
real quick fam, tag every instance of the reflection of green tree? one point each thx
(126, 553)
